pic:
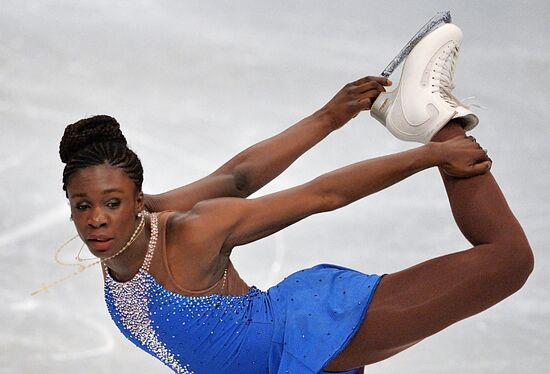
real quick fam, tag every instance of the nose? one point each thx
(97, 219)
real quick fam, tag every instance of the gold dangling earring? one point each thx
(80, 259)
(46, 286)
(56, 256)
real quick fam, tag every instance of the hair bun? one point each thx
(87, 131)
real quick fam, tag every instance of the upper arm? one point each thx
(239, 221)
(182, 199)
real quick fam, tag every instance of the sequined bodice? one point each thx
(190, 334)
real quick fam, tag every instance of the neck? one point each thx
(124, 266)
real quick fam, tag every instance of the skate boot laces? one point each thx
(444, 86)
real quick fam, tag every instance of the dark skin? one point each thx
(213, 218)
(104, 201)
(241, 176)
(256, 166)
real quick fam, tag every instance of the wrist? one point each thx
(332, 121)
(435, 153)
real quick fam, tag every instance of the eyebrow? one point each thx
(83, 194)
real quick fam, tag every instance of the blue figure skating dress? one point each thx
(297, 326)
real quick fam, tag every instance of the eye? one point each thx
(113, 204)
(82, 206)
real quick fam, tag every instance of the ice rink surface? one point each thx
(194, 83)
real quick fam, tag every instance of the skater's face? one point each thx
(104, 206)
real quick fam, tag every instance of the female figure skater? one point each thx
(170, 285)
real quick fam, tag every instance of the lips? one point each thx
(100, 242)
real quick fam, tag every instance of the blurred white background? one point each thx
(193, 83)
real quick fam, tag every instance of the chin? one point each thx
(102, 253)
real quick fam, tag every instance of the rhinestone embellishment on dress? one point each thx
(131, 303)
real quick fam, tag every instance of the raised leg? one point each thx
(417, 302)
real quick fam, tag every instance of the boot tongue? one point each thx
(466, 117)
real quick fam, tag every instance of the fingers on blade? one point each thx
(380, 80)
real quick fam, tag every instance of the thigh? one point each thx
(417, 302)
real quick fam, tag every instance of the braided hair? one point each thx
(98, 141)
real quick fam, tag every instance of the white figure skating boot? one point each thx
(423, 103)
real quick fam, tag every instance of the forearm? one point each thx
(256, 166)
(348, 184)
(259, 164)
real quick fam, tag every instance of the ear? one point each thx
(140, 202)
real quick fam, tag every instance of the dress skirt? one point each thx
(316, 312)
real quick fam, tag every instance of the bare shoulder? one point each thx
(194, 232)
(193, 254)
(184, 229)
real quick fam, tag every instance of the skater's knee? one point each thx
(518, 260)
(525, 261)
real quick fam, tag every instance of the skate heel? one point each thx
(382, 104)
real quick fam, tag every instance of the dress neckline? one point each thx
(145, 265)
(143, 270)
(141, 274)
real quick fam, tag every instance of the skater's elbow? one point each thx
(332, 200)
(328, 197)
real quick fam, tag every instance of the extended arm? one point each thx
(256, 166)
(231, 222)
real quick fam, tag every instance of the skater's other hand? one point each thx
(353, 98)
(463, 157)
